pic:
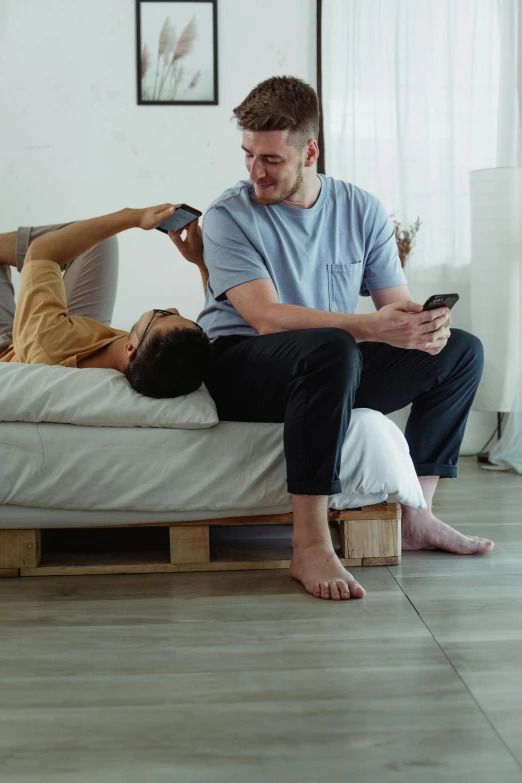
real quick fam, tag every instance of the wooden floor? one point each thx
(242, 677)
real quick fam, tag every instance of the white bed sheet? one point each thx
(140, 473)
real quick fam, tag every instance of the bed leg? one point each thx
(20, 548)
(376, 541)
(189, 544)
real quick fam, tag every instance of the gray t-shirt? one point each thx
(322, 257)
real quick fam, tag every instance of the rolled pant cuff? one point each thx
(435, 469)
(313, 488)
(23, 238)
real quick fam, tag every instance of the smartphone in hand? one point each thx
(441, 300)
(182, 217)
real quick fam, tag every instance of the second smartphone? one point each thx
(441, 300)
(182, 217)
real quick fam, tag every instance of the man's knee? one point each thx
(468, 346)
(108, 250)
(336, 351)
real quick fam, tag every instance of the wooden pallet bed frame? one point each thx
(368, 536)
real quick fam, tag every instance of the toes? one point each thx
(343, 589)
(484, 545)
(325, 590)
(480, 546)
(335, 592)
(356, 591)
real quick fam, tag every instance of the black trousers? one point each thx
(311, 379)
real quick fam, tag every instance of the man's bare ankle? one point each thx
(302, 544)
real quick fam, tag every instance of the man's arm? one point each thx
(8, 248)
(257, 302)
(68, 243)
(191, 248)
(386, 296)
(238, 271)
(203, 271)
(401, 324)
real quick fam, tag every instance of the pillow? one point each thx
(94, 397)
(376, 463)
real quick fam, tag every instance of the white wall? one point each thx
(75, 144)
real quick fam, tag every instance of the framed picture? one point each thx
(177, 55)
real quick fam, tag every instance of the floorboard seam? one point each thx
(443, 651)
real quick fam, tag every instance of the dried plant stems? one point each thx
(176, 76)
(166, 45)
(169, 70)
(179, 50)
(167, 40)
(405, 238)
(145, 61)
(186, 39)
(193, 82)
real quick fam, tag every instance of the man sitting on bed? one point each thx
(66, 319)
(288, 252)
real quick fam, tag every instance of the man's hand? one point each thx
(191, 248)
(151, 217)
(406, 325)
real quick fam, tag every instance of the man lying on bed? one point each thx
(66, 319)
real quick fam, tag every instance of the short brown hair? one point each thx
(281, 103)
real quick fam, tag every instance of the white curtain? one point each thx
(496, 305)
(507, 453)
(416, 94)
(410, 100)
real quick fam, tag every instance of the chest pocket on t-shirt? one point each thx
(344, 282)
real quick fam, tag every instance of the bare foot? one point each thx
(422, 530)
(321, 573)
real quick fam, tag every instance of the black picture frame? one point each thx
(321, 163)
(142, 100)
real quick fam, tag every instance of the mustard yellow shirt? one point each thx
(43, 330)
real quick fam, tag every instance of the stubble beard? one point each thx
(291, 190)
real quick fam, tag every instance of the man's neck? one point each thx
(308, 193)
(110, 357)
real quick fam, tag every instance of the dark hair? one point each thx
(169, 364)
(281, 103)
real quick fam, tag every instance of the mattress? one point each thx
(61, 475)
